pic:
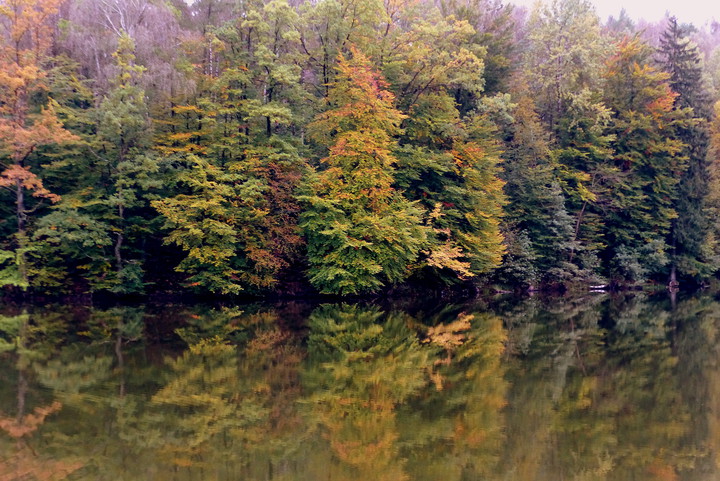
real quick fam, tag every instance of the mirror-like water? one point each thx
(596, 388)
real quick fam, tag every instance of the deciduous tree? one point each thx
(25, 126)
(362, 233)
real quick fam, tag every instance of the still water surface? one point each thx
(596, 388)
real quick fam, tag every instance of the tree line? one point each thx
(350, 146)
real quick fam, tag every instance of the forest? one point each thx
(350, 147)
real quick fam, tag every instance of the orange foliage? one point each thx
(21, 73)
(17, 175)
(661, 471)
(663, 104)
(25, 465)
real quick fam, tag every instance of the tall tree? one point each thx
(536, 211)
(713, 200)
(563, 59)
(362, 233)
(123, 145)
(25, 126)
(235, 213)
(648, 159)
(102, 226)
(563, 66)
(680, 57)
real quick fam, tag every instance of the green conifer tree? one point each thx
(680, 57)
(536, 209)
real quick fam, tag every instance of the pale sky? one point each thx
(698, 12)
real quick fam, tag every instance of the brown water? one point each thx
(596, 388)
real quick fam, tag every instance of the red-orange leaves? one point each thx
(359, 102)
(21, 176)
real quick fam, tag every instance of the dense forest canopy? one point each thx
(348, 146)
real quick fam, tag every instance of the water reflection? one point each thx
(598, 388)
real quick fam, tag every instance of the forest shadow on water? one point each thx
(593, 388)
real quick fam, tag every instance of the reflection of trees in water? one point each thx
(362, 365)
(597, 388)
(25, 340)
(698, 347)
(594, 402)
(205, 411)
(394, 407)
(454, 430)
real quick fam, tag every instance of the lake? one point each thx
(592, 388)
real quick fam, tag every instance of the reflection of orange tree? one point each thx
(460, 422)
(18, 428)
(362, 367)
(272, 358)
(18, 458)
(23, 462)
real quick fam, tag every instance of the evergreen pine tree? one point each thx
(536, 218)
(680, 58)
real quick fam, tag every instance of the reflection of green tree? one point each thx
(200, 404)
(227, 411)
(99, 384)
(214, 410)
(652, 421)
(698, 347)
(114, 417)
(588, 389)
(362, 366)
(591, 404)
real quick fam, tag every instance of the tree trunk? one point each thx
(119, 242)
(21, 214)
(673, 283)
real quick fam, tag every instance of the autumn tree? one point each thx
(494, 30)
(362, 233)
(649, 160)
(234, 213)
(448, 152)
(456, 179)
(24, 126)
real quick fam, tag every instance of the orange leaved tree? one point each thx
(24, 43)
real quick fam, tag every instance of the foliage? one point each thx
(362, 234)
(347, 146)
(23, 126)
(649, 160)
(680, 58)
